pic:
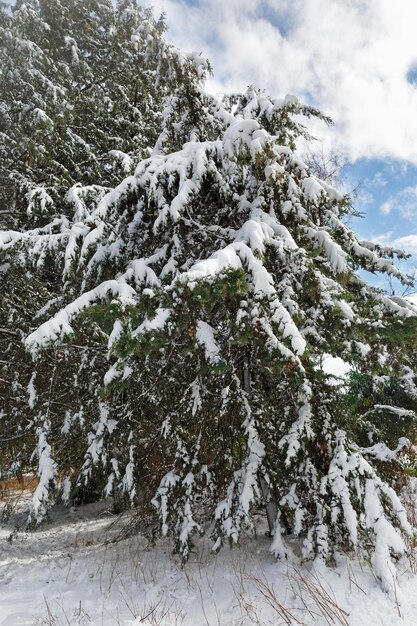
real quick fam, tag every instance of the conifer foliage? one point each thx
(82, 91)
(218, 273)
(81, 98)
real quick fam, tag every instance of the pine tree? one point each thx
(82, 93)
(218, 274)
(83, 87)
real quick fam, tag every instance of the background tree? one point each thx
(380, 390)
(381, 399)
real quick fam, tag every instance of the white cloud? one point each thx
(364, 198)
(407, 243)
(379, 180)
(387, 207)
(383, 239)
(350, 57)
(405, 202)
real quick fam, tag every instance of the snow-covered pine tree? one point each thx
(220, 272)
(82, 91)
(81, 99)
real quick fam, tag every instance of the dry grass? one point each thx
(28, 482)
(159, 613)
(317, 600)
(77, 617)
(312, 599)
(13, 492)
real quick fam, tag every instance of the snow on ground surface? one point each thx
(79, 571)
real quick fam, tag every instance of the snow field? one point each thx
(79, 570)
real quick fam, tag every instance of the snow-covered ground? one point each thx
(79, 570)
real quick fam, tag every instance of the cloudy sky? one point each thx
(355, 59)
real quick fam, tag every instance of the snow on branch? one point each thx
(60, 325)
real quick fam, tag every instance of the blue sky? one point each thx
(354, 59)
